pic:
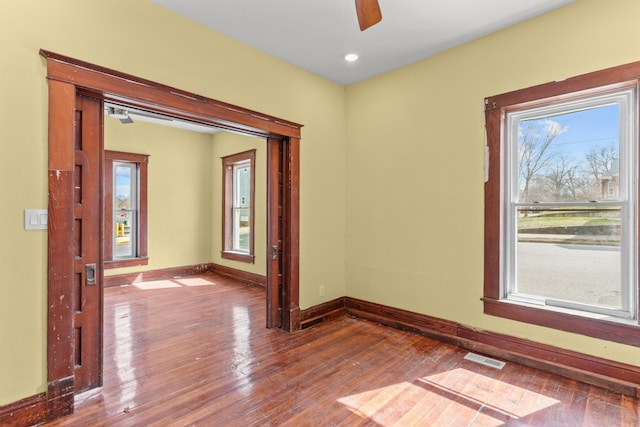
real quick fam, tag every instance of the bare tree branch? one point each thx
(535, 138)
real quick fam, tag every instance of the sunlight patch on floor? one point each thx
(124, 357)
(156, 284)
(469, 396)
(372, 403)
(195, 281)
(176, 282)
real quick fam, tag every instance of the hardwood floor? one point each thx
(194, 351)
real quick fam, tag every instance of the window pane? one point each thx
(242, 203)
(570, 157)
(241, 230)
(570, 254)
(125, 210)
(569, 192)
(123, 187)
(243, 186)
(124, 238)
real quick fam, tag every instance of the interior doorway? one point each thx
(68, 78)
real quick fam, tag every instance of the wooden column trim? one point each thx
(60, 254)
(274, 147)
(60, 397)
(292, 248)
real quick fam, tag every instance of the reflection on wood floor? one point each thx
(194, 351)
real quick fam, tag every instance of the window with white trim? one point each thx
(561, 205)
(567, 244)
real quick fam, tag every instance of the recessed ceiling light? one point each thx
(350, 57)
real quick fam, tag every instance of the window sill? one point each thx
(238, 256)
(129, 262)
(596, 326)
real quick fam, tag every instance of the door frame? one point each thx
(66, 78)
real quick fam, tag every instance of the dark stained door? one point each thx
(87, 260)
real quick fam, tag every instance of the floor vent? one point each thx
(485, 360)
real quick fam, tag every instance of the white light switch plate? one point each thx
(35, 219)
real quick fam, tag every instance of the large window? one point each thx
(125, 209)
(561, 198)
(238, 184)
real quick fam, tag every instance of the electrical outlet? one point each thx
(321, 290)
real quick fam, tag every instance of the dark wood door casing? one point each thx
(283, 204)
(290, 215)
(60, 351)
(274, 232)
(68, 77)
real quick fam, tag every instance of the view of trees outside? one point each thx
(567, 157)
(570, 251)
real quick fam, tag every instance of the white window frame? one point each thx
(133, 209)
(627, 201)
(600, 326)
(238, 206)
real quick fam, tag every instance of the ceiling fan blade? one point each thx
(368, 13)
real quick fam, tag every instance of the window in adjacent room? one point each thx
(238, 179)
(125, 209)
(561, 245)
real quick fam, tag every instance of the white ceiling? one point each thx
(316, 34)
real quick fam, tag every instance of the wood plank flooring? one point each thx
(194, 351)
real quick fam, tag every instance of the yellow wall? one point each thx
(179, 191)
(225, 144)
(143, 39)
(415, 163)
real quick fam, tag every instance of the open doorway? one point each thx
(77, 91)
(167, 197)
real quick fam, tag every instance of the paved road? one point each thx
(583, 273)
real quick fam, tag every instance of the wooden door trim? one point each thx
(283, 213)
(60, 368)
(117, 86)
(291, 237)
(67, 77)
(274, 154)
